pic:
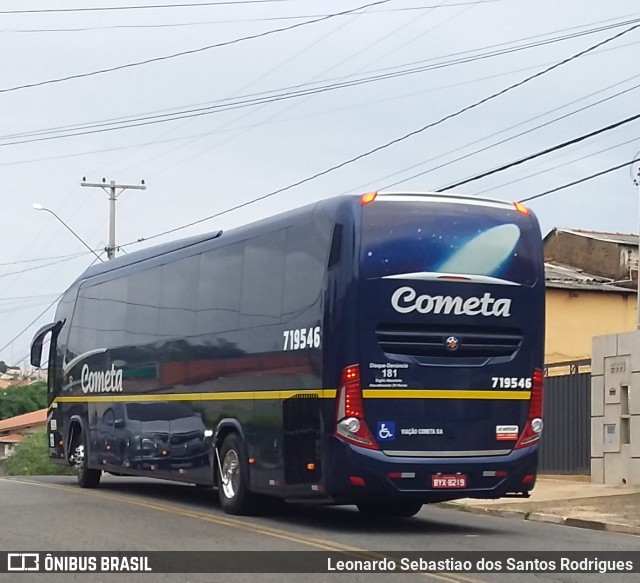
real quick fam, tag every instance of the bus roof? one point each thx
(257, 226)
(145, 254)
(443, 197)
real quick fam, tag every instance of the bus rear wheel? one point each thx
(87, 478)
(233, 478)
(398, 509)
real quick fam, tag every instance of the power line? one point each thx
(30, 323)
(228, 21)
(394, 141)
(508, 139)
(71, 256)
(39, 266)
(28, 297)
(189, 52)
(580, 181)
(201, 4)
(541, 153)
(252, 126)
(21, 307)
(549, 169)
(296, 55)
(38, 316)
(140, 7)
(271, 96)
(201, 135)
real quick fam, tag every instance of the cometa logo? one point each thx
(109, 381)
(406, 300)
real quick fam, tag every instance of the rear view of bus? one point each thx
(444, 400)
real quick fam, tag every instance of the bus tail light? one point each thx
(350, 423)
(533, 427)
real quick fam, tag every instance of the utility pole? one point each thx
(110, 189)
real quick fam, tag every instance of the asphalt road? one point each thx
(132, 514)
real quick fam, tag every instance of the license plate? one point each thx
(449, 481)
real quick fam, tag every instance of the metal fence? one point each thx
(566, 442)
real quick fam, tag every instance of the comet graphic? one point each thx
(477, 260)
(485, 253)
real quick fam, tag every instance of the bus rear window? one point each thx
(457, 239)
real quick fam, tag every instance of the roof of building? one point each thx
(620, 238)
(13, 438)
(13, 424)
(561, 276)
(6, 382)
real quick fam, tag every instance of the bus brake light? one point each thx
(533, 427)
(350, 423)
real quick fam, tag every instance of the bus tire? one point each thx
(398, 509)
(87, 477)
(233, 479)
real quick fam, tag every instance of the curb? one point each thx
(545, 518)
(484, 510)
(548, 518)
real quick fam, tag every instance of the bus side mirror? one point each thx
(38, 340)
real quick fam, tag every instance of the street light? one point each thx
(39, 207)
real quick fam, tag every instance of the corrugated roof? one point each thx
(561, 276)
(621, 238)
(22, 421)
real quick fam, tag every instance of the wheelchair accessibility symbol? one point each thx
(386, 430)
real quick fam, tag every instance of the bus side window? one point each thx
(263, 280)
(306, 260)
(219, 285)
(336, 246)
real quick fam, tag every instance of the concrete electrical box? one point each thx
(615, 409)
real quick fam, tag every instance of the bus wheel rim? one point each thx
(79, 458)
(230, 474)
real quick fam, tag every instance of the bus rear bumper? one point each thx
(360, 474)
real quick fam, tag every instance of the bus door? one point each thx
(57, 382)
(451, 302)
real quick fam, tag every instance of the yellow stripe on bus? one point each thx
(222, 396)
(279, 395)
(444, 394)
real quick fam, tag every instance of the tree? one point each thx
(4, 367)
(31, 458)
(23, 399)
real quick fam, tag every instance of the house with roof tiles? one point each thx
(15, 429)
(591, 282)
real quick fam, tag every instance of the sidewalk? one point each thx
(568, 500)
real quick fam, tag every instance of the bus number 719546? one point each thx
(510, 383)
(302, 338)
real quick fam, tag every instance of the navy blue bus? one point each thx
(383, 350)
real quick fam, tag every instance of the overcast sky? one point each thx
(285, 90)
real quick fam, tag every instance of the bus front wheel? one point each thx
(233, 478)
(399, 509)
(87, 478)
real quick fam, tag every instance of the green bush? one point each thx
(31, 458)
